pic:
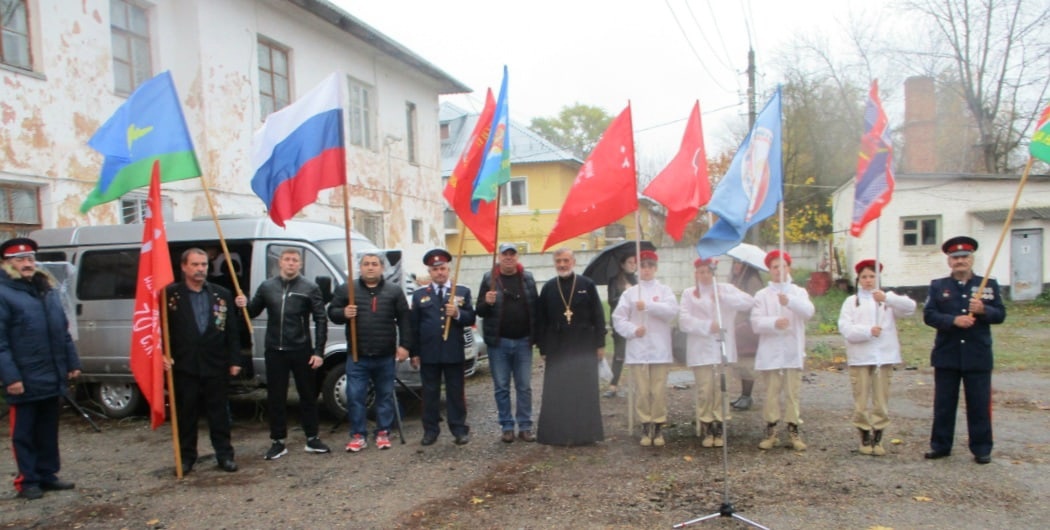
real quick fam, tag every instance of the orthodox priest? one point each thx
(570, 332)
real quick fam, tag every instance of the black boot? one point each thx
(876, 443)
(865, 441)
(647, 437)
(658, 438)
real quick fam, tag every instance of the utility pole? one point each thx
(753, 233)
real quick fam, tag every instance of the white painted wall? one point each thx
(955, 200)
(47, 116)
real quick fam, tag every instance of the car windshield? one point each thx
(335, 250)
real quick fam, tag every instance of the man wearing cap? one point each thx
(962, 351)
(643, 316)
(509, 312)
(205, 353)
(779, 318)
(437, 357)
(37, 359)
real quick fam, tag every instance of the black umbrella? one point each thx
(606, 265)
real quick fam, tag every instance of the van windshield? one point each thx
(335, 250)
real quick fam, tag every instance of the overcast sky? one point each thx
(662, 55)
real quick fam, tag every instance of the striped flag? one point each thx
(874, 185)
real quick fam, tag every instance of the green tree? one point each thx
(576, 128)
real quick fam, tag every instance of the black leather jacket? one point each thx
(289, 306)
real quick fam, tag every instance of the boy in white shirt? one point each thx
(779, 318)
(643, 317)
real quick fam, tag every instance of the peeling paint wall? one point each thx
(210, 46)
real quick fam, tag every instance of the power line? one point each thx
(703, 35)
(693, 49)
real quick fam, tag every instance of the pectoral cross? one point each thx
(568, 315)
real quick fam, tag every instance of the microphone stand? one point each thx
(726, 509)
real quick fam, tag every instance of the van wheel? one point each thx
(118, 400)
(333, 393)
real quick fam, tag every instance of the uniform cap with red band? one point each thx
(18, 247)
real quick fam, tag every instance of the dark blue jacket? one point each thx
(35, 345)
(428, 324)
(957, 348)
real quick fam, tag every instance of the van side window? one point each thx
(108, 274)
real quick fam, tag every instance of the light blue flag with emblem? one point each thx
(495, 166)
(751, 189)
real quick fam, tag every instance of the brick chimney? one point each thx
(920, 126)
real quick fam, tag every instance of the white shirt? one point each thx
(660, 309)
(856, 321)
(781, 348)
(696, 315)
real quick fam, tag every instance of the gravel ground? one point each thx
(125, 476)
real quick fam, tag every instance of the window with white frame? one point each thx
(362, 113)
(370, 225)
(514, 193)
(129, 33)
(19, 210)
(14, 29)
(411, 143)
(133, 208)
(920, 231)
(274, 84)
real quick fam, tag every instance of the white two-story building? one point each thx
(66, 66)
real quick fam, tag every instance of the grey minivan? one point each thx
(105, 264)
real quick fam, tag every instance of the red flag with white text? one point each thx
(460, 185)
(147, 352)
(606, 188)
(683, 186)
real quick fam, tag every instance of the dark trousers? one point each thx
(977, 388)
(34, 440)
(619, 355)
(193, 393)
(455, 399)
(278, 365)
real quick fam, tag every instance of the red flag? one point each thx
(683, 186)
(606, 188)
(460, 185)
(147, 361)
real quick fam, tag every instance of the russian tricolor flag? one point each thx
(299, 151)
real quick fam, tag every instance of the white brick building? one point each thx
(65, 66)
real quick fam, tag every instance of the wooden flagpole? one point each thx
(226, 253)
(1006, 224)
(349, 268)
(171, 381)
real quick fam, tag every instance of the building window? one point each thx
(361, 113)
(445, 131)
(410, 133)
(920, 231)
(417, 231)
(19, 211)
(14, 28)
(370, 225)
(133, 208)
(274, 87)
(514, 193)
(129, 26)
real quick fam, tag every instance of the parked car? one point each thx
(103, 281)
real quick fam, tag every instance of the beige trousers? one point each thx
(790, 380)
(873, 381)
(650, 391)
(708, 394)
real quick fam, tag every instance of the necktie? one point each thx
(441, 292)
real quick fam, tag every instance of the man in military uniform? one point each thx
(437, 357)
(962, 350)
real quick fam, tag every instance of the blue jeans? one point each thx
(513, 357)
(378, 372)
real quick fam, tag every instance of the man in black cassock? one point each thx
(570, 332)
